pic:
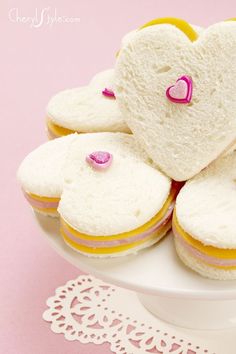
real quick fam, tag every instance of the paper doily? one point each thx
(91, 311)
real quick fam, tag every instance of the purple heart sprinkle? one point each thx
(108, 93)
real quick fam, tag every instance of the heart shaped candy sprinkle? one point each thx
(100, 160)
(181, 92)
(108, 93)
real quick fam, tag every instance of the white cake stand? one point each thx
(164, 285)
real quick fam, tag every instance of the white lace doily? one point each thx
(91, 311)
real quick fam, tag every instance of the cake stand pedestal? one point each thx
(164, 285)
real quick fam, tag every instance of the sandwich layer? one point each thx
(152, 231)
(212, 256)
(55, 131)
(201, 267)
(120, 250)
(44, 205)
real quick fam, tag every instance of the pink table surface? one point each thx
(36, 63)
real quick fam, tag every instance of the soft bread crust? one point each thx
(122, 198)
(181, 139)
(41, 172)
(202, 268)
(127, 38)
(206, 205)
(198, 29)
(86, 109)
(130, 35)
(102, 78)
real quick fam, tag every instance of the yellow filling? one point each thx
(44, 199)
(134, 232)
(45, 210)
(208, 250)
(177, 22)
(57, 130)
(116, 249)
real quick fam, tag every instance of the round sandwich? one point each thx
(114, 201)
(91, 108)
(204, 221)
(41, 175)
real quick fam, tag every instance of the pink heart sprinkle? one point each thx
(108, 93)
(181, 92)
(99, 159)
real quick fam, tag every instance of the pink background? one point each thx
(36, 63)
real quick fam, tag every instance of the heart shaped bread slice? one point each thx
(182, 139)
(85, 109)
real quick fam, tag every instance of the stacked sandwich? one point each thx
(163, 119)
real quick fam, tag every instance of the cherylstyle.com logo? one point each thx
(41, 17)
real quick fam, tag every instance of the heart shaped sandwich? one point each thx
(175, 89)
(204, 220)
(114, 201)
(91, 108)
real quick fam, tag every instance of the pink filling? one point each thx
(124, 241)
(41, 204)
(205, 258)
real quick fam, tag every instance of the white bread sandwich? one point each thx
(175, 89)
(114, 201)
(91, 108)
(204, 221)
(41, 175)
